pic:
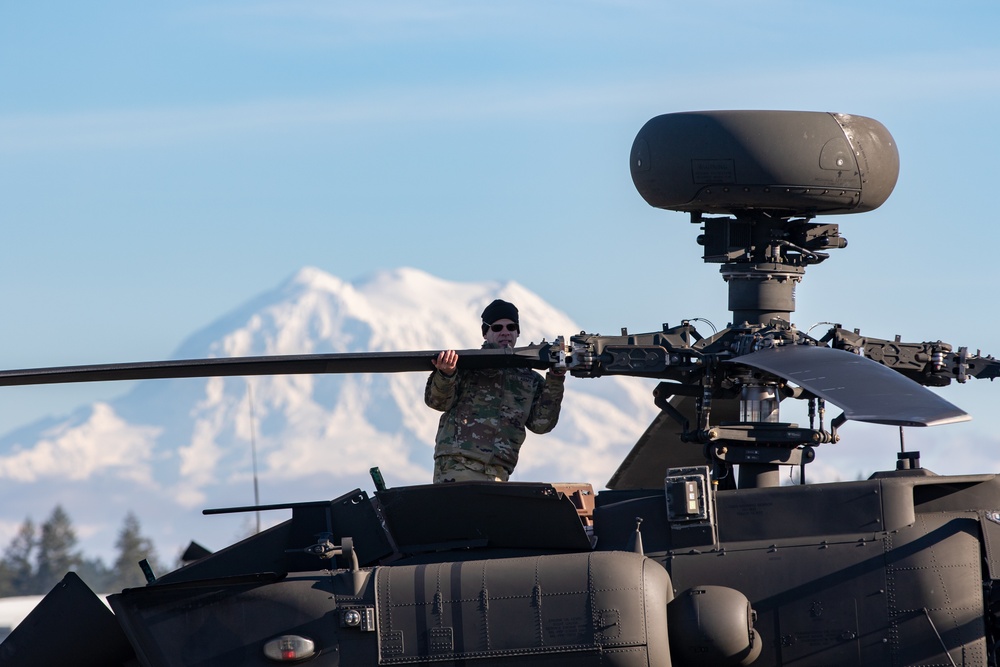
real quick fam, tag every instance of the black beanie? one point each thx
(499, 310)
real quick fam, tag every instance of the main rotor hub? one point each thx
(759, 403)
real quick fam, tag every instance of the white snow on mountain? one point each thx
(168, 448)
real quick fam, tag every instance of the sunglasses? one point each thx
(499, 327)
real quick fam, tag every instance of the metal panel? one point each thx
(989, 522)
(227, 622)
(593, 608)
(817, 603)
(820, 625)
(833, 512)
(480, 514)
(69, 626)
(935, 591)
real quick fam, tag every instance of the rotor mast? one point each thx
(763, 256)
(759, 293)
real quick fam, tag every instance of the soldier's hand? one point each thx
(446, 362)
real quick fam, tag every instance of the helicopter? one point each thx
(695, 554)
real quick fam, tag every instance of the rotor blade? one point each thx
(532, 356)
(864, 389)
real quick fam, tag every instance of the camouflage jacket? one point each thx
(486, 411)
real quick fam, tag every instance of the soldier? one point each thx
(486, 411)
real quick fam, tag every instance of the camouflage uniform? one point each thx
(485, 416)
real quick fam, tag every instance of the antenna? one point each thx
(253, 453)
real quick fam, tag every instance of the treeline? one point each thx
(38, 557)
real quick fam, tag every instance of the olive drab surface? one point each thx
(695, 554)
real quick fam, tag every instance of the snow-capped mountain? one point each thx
(169, 448)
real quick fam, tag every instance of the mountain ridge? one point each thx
(168, 448)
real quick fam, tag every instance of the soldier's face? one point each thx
(506, 336)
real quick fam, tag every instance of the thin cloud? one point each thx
(894, 81)
(381, 13)
(158, 127)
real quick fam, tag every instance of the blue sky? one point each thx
(162, 163)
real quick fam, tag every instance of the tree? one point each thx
(96, 575)
(37, 559)
(17, 571)
(56, 555)
(132, 548)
